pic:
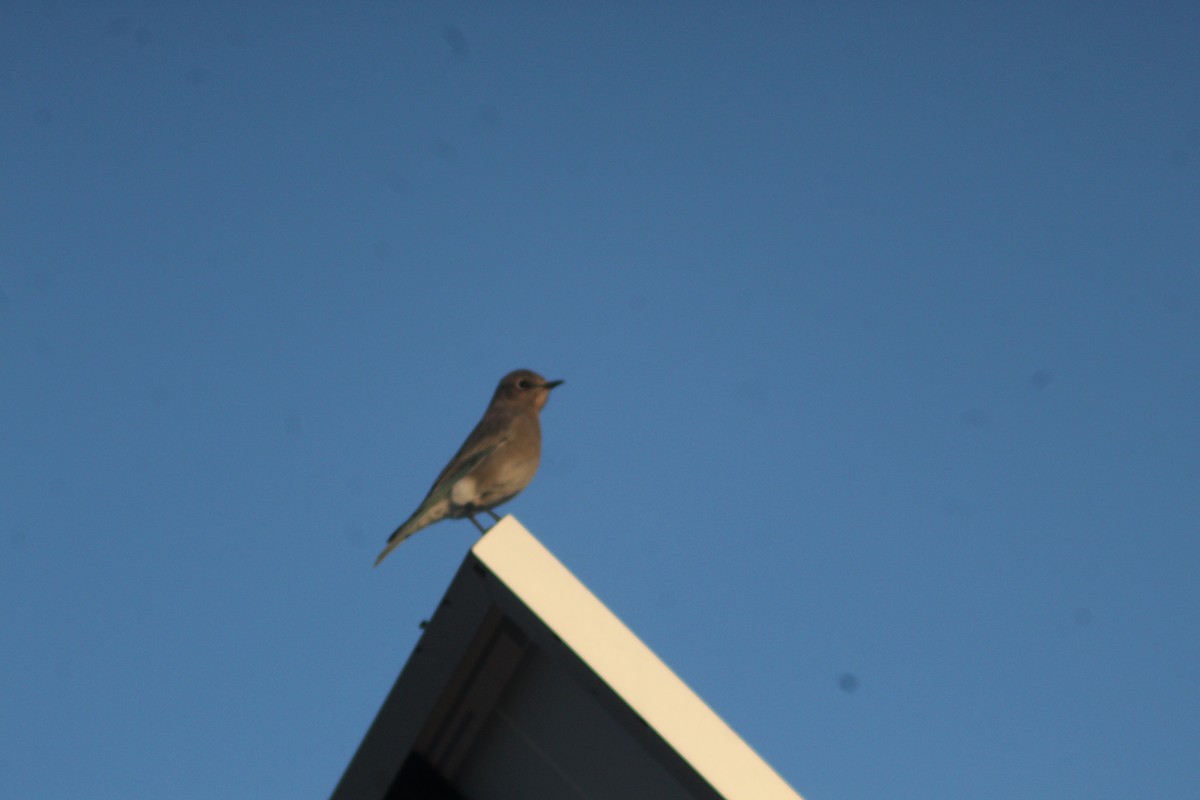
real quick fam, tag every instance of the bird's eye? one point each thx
(523, 383)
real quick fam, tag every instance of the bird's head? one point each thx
(526, 387)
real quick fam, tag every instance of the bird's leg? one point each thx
(475, 522)
(493, 513)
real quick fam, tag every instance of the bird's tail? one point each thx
(427, 514)
(392, 543)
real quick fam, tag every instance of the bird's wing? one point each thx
(458, 469)
(490, 434)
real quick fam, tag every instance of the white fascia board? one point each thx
(629, 668)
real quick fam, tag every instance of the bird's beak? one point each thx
(551, 384)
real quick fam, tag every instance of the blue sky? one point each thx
(881, 331)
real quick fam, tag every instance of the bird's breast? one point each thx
(514, 474)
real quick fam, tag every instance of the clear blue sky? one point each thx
(881, 331)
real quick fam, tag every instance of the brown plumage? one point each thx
(493, 465)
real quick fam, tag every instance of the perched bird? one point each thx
(495, 463)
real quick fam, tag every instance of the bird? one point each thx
(498, 459)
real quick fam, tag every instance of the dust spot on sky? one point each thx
(954, 507)
(1041, 378)
(443, 149)
(395, 181)
(42, 348)
(485, 121)
(118, 27)
(848, 682)
(752, 390)
(198, 76)
(293, 426)
(1182, 156)
(160, 396)
(457, 40)
(564, 465)
(43, 117)
(976, 419)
